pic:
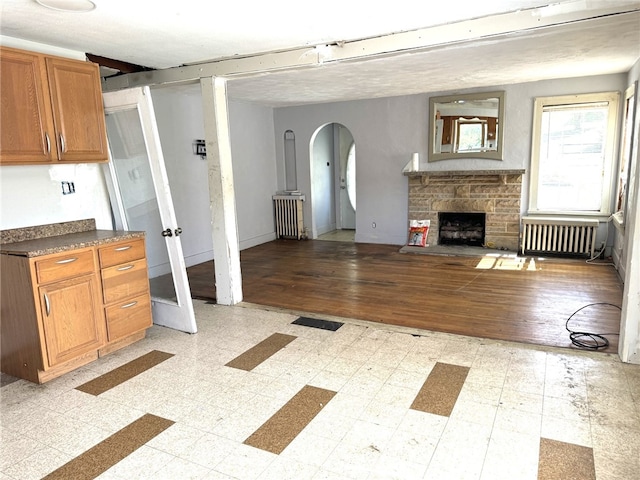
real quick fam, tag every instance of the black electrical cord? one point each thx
(594, 341)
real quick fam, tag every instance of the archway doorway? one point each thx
(333, 183)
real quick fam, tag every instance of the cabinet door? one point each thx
(78, 113)
(72, 318)
(27, 133)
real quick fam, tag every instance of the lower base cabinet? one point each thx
(64, 310)
(71, 319)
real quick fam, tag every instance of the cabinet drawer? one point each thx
(122, 252)
(71, 264)
(128, 317)
(123, 281)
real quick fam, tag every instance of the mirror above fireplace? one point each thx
(466, 126)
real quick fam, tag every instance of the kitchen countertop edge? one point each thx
(71, 241)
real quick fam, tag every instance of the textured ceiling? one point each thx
(163, 35)
(603, 46)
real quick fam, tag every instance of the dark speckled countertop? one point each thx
(56, 238)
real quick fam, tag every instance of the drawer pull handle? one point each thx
(63, 147)
(126, 267)
(47, 305)
(46, 136)
(129, 305)
(122, 249)
(66, 260)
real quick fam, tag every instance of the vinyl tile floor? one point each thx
(354, 403)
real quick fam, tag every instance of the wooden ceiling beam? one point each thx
(123, 67)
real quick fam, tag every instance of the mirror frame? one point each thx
(490, 155)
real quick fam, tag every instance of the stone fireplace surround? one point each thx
(497, 193)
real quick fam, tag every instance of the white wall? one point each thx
(322, 176)
(388, 130)
(179, 116)
(32, 195)
(254, 171)
(180, 121)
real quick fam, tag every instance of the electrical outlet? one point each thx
(68, 188)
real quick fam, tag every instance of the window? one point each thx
(351, 175)
(471, 135)
(572, 154)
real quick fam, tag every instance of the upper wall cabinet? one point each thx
(51, 110)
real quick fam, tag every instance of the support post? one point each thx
(629, 345)
(226, 250)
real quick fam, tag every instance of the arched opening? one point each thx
(333, 183)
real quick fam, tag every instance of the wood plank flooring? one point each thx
(499, 298)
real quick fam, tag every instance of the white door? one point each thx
(348, 189)
(141, 200)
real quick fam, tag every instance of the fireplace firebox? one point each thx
(461, 228)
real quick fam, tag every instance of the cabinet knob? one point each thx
(167, 233)
(178, 231)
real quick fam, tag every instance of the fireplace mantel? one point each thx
(500, 175)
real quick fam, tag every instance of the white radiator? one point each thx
(559, 235)
(288, 215)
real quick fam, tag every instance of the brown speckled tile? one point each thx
(110, 451)
(565, 460)
(259, 353)
(7, 379)
(123, 373)
(440, 390)
(285, 425)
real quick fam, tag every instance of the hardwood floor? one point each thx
(503, 298)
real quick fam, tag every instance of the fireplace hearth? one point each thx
(460, 228)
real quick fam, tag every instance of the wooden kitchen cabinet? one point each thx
(52, 110)
(446, 130)
(125, 291)
(63, 310)
(71, 318)
(52, 319)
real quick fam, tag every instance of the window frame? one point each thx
(462, 121)
(608, 192)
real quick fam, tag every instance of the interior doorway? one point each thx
(333, 183)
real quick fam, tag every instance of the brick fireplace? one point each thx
(497, 193)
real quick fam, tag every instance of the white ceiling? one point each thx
(448, 51)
